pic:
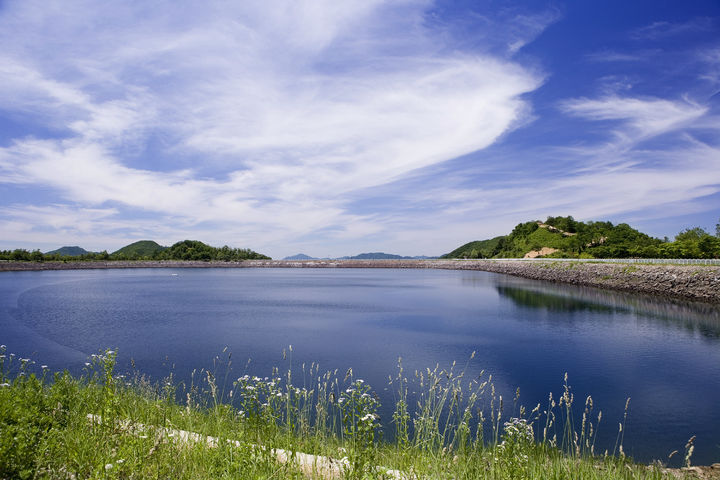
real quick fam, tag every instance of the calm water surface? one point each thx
(527, 334)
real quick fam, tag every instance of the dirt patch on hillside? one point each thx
(541, 253)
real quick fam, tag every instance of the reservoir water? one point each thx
(664, 355)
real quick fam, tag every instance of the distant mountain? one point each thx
(300, 256)
(382, 256)
(140, 249)
(69, 251)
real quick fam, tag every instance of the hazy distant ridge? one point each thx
(361, 256)
(300, 256)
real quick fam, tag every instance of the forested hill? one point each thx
(476, 249)
(195, 250)
(143, 248)
(564, 237)
(69, 252)
(185, 250)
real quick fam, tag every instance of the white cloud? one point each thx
(286, 109)
(663, 29)
(640, 118)
(710, 58)
(525, 28)
(620, 176)
(268, 125)
(612, 56)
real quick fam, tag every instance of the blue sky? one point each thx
(339, 127)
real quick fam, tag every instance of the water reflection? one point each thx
(696, 317)
(527, 334)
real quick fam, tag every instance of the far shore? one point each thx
(692, 282)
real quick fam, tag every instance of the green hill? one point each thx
(69, 251)
(476, 249)
(564, 237)
(196, 250)
(141, 249)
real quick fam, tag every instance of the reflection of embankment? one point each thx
(692, 316)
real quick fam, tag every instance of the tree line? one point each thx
(184, 250)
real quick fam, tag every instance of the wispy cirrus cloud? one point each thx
(663, 29)
(612, 56)
(332, 127)
(632, 171)
(289, 108)
(638, 118)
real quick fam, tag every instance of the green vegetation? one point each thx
(573, 239)
(476, 249)
(22, 255)
(69, 252)
(103, 425)
(143, 250)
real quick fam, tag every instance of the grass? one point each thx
(445, 426)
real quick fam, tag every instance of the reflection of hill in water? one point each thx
(554, 303)
(692, 316)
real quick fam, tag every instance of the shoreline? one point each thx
(689, 282)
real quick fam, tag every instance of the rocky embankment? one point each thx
(694, 282)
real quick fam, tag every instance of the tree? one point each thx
(709, 247)
(691, 235)
(717, 228)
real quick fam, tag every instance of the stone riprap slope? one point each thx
(680, 281)
(694, 282)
